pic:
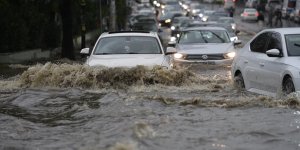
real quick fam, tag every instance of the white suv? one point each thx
(128, 49)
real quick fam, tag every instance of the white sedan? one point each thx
(269, 63)
(249, 14)
(127, 49)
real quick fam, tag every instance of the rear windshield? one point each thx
(128, 45)
(293, 44)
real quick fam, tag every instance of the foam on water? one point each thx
(77, 75)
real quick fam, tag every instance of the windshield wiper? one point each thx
(222, 40)
(132, 53)
(296, 44)
(203, 38)
(103, 53)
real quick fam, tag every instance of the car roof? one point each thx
(204, 28)
(129, 33)
(291, 30)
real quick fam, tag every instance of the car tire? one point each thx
(239, 82)
(288, 86)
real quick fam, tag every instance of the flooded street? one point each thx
(63, 106)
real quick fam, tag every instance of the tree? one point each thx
(67, 29)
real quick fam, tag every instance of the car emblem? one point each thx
(204, 56)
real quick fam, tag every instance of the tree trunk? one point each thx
(67, 25)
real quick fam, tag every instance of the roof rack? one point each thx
(136, 31)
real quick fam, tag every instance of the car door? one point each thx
(252, 67)
(271, 68)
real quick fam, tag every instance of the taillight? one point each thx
(256, 14)
(245, 14)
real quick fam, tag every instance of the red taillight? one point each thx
(245, 14)
(256, 14)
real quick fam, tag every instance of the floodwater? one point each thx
(64, 106)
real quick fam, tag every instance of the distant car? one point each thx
(166, 19)
(251, 3)
(128, 49)
(203, 45)
(249, 14)
(269, 63)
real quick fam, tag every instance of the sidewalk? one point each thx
(38, 54)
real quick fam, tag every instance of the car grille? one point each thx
(201, 57)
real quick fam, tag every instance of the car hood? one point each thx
(207, 48)
(126, 60)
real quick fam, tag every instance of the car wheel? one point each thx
(288, 86)
(239, 82)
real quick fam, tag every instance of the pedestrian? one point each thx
(231, 11)
(260, 19)
(278, 16)
(270, 15)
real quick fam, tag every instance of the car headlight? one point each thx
(233, 38)
(163, 6)
(201, 15)
(168, 21)
(177, 35)
(204, 19)
(194, 11)
(178, 55)
(230, 55)
(173, 28)
(154, 2)
(233, 26)
(173, 39)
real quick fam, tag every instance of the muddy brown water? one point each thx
(51, 106)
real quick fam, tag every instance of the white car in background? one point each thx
(249, 14)
(269, 63)
(203, 45)
(128, 49)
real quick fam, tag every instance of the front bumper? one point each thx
(179, 63)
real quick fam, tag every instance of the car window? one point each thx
(275, 42)
(293, 44)
(128, 45)
(259, 43)
(204, 36)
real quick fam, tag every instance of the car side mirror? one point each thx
(85, 51)
(273, 53)
(237, 42)
(171, 43)
(171, 50)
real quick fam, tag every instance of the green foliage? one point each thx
(27, 25)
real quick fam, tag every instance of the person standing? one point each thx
(278, 16)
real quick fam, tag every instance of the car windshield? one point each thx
(204, 36)
(145, 27)
(226, 20)
(127, 45)
(293, 44)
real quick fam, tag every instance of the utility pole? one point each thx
(112, 15)
(100, 16)
(83, 27)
